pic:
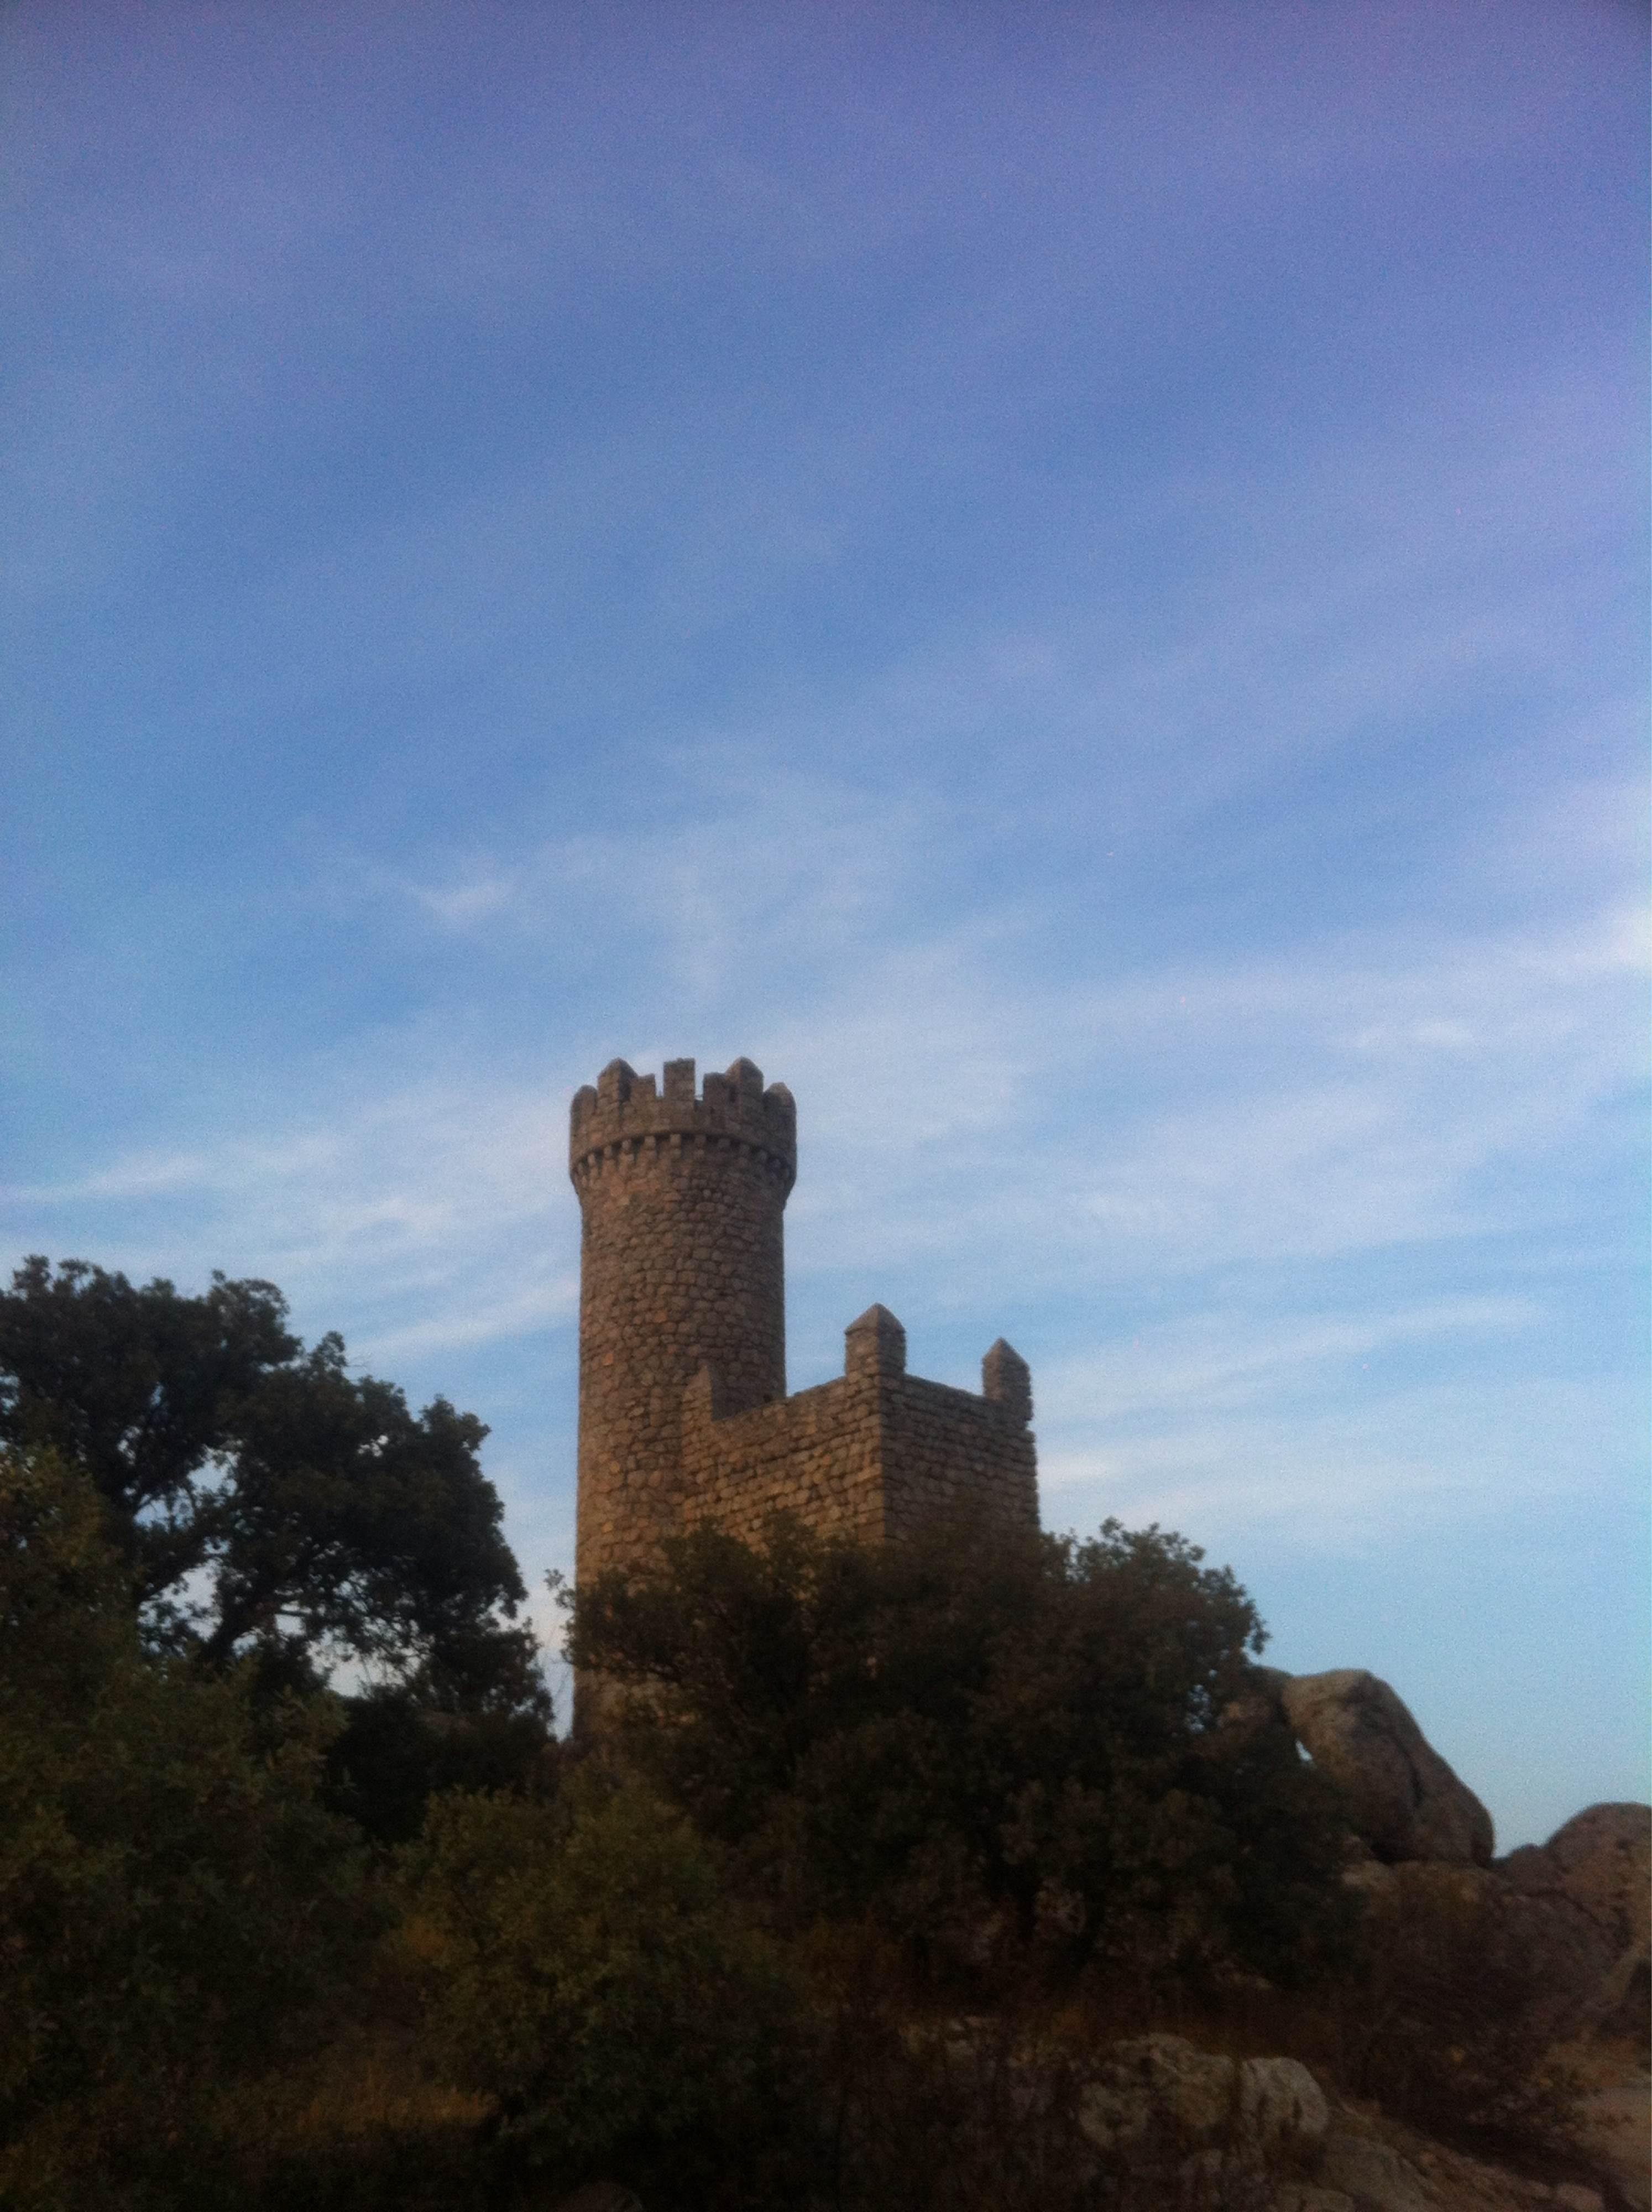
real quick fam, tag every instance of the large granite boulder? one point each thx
(1602, 1860)
(1596, 1873)
(1371, 2175)
(1159, 2085)
(1283, 2112)
(1544, 1956)
(1259, 1703)
(1404, 1801)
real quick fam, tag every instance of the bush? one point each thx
(583, 1967)
(264, 1498)
(394, 1754)
(175, 1900)
(981, 1730)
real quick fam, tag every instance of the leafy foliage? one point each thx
(584, 1966)
(395, 1752)
(975, 1731)
(174, 1898)
(324, 1518)
(972, 1759)
(833, 1786)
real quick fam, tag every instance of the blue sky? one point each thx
(1071, 579)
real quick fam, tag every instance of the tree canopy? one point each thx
(176, 1900)
(978, 1727)
(264, 1498)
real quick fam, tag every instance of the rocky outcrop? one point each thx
(1282, 2114)
(1370, 2173)
(1160, 2121)
(1266, 2113)
(1615, 2131)
(1404, 1801)
(1540, 1951)
(1595, 1874)
(1601, 1859)
(1260, 1704)
(1210, 2130)
(1605, 1859)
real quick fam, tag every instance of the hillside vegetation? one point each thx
(866, 1860)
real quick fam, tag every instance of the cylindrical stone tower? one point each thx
(680, 1268)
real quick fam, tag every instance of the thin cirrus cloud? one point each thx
(1339, 1482)
(1219, 1365)
(1275, 1111)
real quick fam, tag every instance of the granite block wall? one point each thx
(871, 1454)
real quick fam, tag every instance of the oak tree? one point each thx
(266, 1500)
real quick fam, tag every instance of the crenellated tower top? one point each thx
(682, 1265)
(626, 1109)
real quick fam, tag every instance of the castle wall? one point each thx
(945, 1449)
(816, 1455)
(871, 1455)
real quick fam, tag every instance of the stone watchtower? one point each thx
(680, 1268)
(684, 1413)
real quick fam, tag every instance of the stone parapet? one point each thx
(627, 1112)
(681, 1265)
(945, 1449)
(1006, 1379)
(873, 1455)
(816, 1455)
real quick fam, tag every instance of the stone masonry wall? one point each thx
(870, 1455)
(944, 1449)
(816, 1454)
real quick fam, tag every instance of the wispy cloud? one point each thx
(1221, 1361)
(991, 1150)
(1343, 1479)
(401, 1215)
(467, 896)
(1330, 1433)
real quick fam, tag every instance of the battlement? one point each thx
(627, 1112)
(874, 1453)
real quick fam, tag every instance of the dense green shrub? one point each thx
(793, 1921)
(265, 1499)
(174, 1900)
(394, 1752)
(583, 1966)
(981, 1731)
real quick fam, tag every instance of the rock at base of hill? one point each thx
(1541, 1951)
(1265, 2111)
(1372, 2174)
